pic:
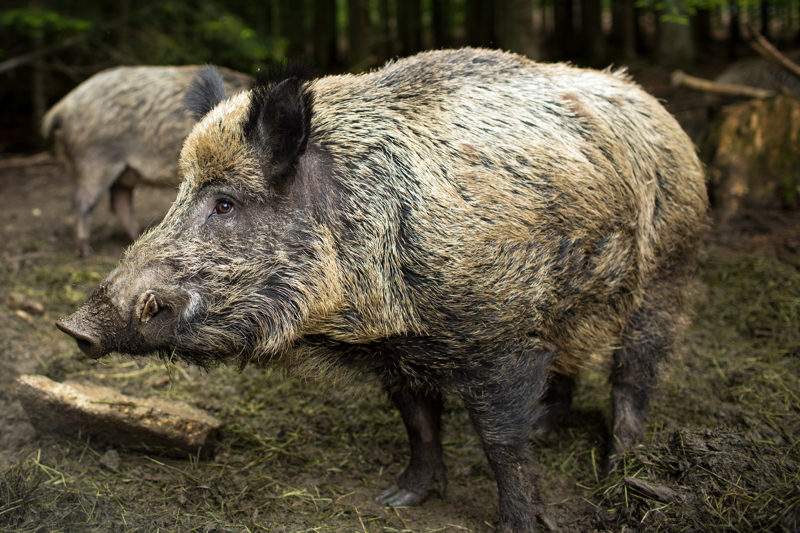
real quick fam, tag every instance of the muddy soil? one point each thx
(722, 434)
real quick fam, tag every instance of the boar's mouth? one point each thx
(147, 326)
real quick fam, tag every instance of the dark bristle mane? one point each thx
(279, 72)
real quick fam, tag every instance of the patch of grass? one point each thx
(300, 456)
(707, 480)
(726, 426)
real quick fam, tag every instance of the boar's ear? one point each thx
(205, 92)
(279, 120)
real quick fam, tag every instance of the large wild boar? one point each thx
(121, 128)
(467, 218)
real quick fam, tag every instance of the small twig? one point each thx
(358, 514)
(166, 466)
(654, 491)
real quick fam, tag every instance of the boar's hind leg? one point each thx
(504, 407)
(84, 201)
(647, 341)
(122, 202)
(422, 413)
(94, 175)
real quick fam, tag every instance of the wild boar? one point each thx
(121, 128)
(467, 218)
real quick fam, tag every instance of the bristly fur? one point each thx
(205, 92)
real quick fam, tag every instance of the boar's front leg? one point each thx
(421, 411)
(503, 401)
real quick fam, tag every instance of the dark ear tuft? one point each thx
(205, 92)
(277, 73)
(279, 120)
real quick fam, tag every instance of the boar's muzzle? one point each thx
(84, 333)
(95, 326)
(123, 318)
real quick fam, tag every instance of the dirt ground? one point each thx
(722, 437)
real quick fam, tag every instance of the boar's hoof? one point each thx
(396, 496)
(415, 483)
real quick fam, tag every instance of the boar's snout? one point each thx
(87, 339)
(123, 315)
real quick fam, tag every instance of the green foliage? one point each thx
(692, 5)
(26, 24)
(678, 11)
(171, 32)
(186, 33)
(36, 23)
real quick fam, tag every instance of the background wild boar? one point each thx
(466, 218)
(756, 72)
(120, 128)
(761, 73)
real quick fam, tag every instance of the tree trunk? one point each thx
(752, 157)
(617, 24)
(628, 28)
(385, 48)
(325, 34)
(124, 42)
(765, 18)
(38, 90)
(702, 25)
(674, 44)
(480, 24)
(594, 41)
(358, 34)
(409, 24)
(564, 29)
(442, 23)
(642, 41)
(514, 27)
(39, 94)
(735, 33)
(292, 26)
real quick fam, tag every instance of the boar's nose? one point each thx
(87, 340)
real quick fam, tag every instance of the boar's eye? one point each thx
(223, 207)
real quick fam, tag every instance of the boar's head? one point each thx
(245, 257)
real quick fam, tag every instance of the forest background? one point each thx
(47, 47)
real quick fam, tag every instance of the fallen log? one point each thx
(152, 425)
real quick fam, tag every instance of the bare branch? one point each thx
(764, 47)
(681, 79)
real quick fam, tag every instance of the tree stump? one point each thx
(753, 154)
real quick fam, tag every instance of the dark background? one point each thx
(47, 47)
